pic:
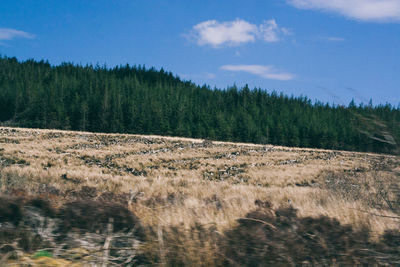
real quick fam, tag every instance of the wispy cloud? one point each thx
(365, 10)
(271, 32)
(264, 71)
(9, 34)
(332, 39)
(233, 33)
(335, 39)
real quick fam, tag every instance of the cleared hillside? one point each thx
(190, 194)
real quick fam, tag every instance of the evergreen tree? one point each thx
(134, 99)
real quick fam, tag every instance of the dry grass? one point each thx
(178, 182)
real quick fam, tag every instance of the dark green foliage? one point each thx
(42, 253)
(146, 101)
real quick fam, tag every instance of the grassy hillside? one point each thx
(176, 201)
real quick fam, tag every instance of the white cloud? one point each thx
(233, 33)
(9, 34)
(269, 31)
(366, 10)
(264, 71)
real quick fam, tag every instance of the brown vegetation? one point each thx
(199, 203)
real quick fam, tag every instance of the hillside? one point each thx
(192, 202)
(139, 100)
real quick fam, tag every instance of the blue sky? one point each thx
(327, 50)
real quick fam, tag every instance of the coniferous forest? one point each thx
(139, 100)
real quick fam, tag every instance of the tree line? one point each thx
(140, 100)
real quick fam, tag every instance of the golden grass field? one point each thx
(182, 182)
